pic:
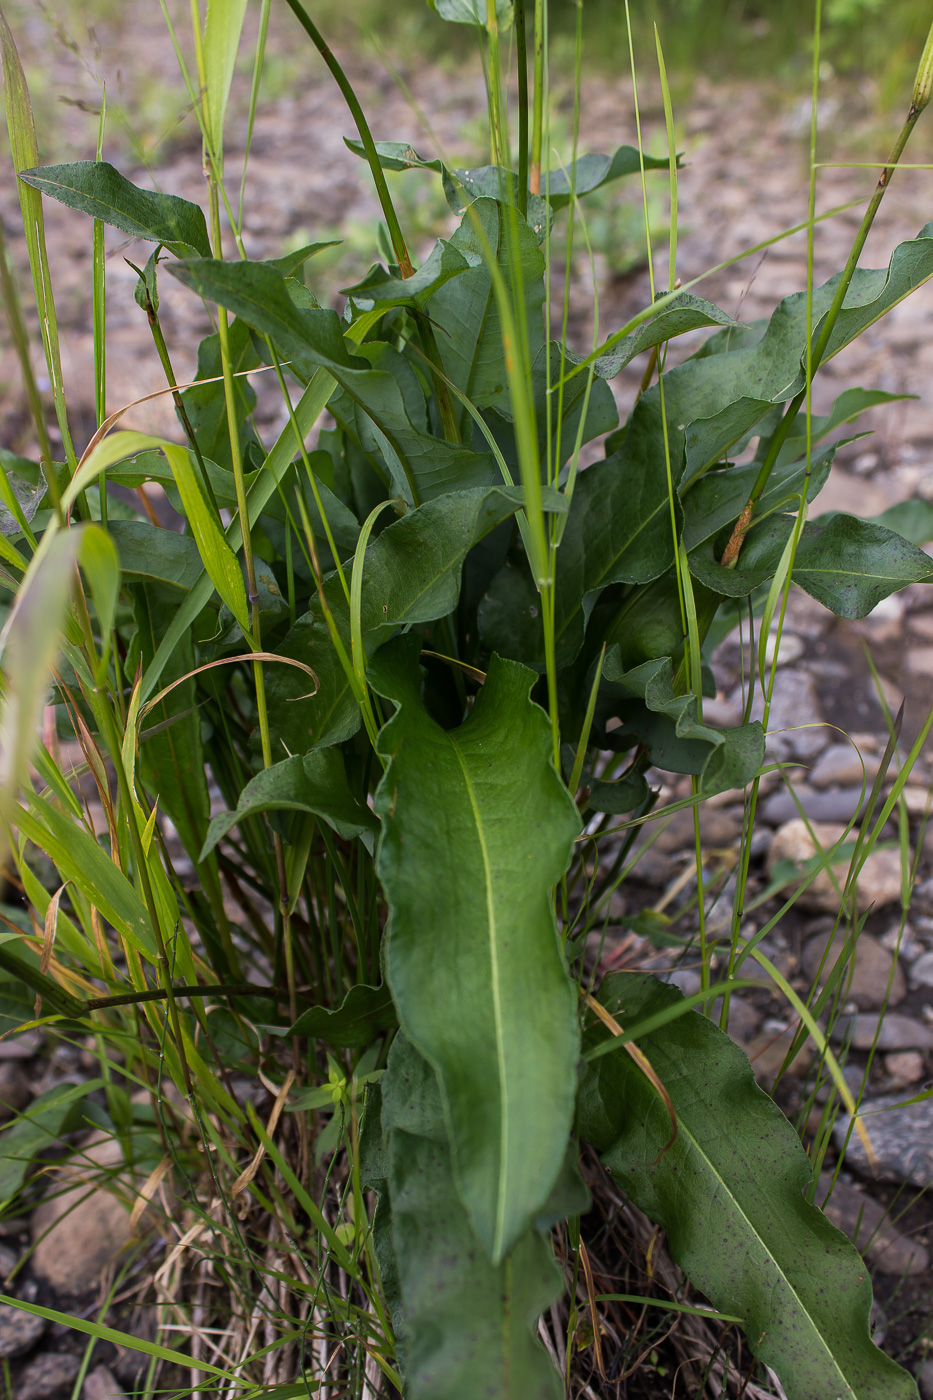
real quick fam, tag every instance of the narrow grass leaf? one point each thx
(219, 559)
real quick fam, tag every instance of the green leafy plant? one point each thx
(423, 660)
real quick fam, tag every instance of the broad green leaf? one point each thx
(38, 1130)
(206, 404)
(378, 288)
(411, 575)
(472, 956)
(94, 187)
(719, 395)
(618, 531)
(591, 172)
(650, 712)
(364, 1013)
(847, 564)
(913, 520)
(219, 560)
(737, 1169)
(469, 325)
(472, 11)
(222, 29)
(464, 1327)
(718, 498)
(420, 465)
(161, 556)
(316, 782)
(686, 313)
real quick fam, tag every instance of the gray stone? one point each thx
(901, 1137)
(841, 766)
(719, 829)
(48, 1377)
(866, 982)
(904, 1067)
(894, 1032)
(921, 971)
(8, 1261)
(101, 1384)
(879, 879)
(837, 805)
(796, 722)
(867, 1226)
(686, 979)
(19, 1330)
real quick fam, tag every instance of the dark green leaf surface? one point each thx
(161, 556)
(411, 574)
(97, 189)
(472, 954)
(729, 1195)
(363, 1014)
(466, 1327)
(420, 466)
(315, 782)
(847, 564)
(644, 699)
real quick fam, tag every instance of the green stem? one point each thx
(522, 61)
(537, 131)
(343, 82)
(733, 548)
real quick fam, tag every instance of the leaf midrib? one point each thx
(496, 1002)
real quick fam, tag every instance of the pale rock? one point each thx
(8, 1261)
(904, 1067)
(718, 830)
(101, 1384)
(917, 800)
(867, 1225)
(48, 1377)
(721, 714)
(835, 805)
(81, 1225)
(879, 881)
(766, 1052)
(889, 1031)
(842, 766)
(920, 661)
(921, 971)
(866, 982)
(791, 649)
(901, 1136)
(19, 1330)
(796, 722)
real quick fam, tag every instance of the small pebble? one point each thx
(867, 1225)
(895, 1032)
(921, 971)
(841, 766)
(866, 983)
(48, 1377)
(19, 1330)
(901, 1136)
(8, 1261)
(905, 1067)
(101, 1384)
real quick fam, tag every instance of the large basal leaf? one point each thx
(846, 563)
(411, 574)
(378, 288)
(159, 556)
(316, 783)
(472, 954)
(472, 11)
(729, 1195)
(464, 1327)
(685, 313)
(94, 187)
